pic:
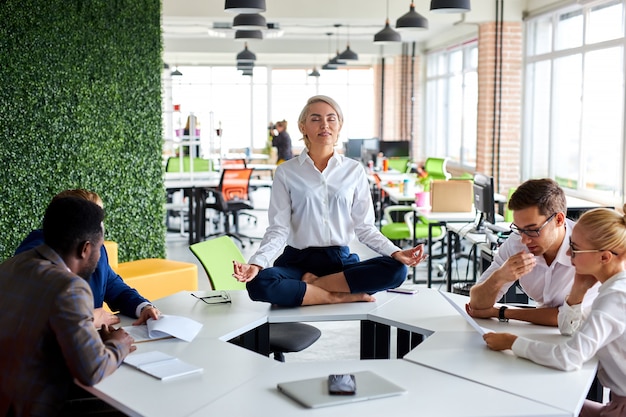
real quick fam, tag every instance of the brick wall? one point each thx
(508, 104)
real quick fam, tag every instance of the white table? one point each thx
(430, 393)
(195, 184)
(452, 373)
(465, 354)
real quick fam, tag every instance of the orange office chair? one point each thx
(233, 163)
(231, 196)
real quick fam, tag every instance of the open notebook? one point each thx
(313, 393)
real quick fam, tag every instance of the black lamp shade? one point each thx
(387, 35)
(411, 20)
(450, 6)
(248, 34)
(329, 66)
(244, 6)
(176, 73)
(242, 65)
(314, 73)
(247, 72)
(334, 61)
(249, 21)
(348, 55)
(246, 55)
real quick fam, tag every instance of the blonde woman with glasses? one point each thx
(597, 247)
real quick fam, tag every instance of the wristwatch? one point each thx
(501, 314)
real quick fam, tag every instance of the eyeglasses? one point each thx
(531, 232)
(221, 297)
(573, 251)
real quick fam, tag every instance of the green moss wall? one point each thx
(80, 107)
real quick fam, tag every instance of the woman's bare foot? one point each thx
(343, 297)
(315, 296)
(309, 278)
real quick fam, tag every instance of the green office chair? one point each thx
(174, 164)
(216, 256)
(399, 164)
(436, 168)
(398, 231)
(508, 213)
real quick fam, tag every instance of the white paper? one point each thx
(466, 316)
(161, 365)
(179, 327)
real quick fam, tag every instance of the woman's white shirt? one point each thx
(309, 208)
(602, 334)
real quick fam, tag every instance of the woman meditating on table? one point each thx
(320, 201)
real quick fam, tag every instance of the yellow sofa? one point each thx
(154, 278)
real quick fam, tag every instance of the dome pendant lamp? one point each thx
(246, 55)
(450, 6)
(314, 73)
(249, 21)
(348, 54)
(248, 34)
(412, 20)
(244, 6)
(387, 34)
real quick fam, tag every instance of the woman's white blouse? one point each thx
(602, 334)
(309, 208)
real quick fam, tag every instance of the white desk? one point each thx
(195, 185)
(452, 373)
(465, 354)
(430, 393)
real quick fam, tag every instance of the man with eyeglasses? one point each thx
(535, 254)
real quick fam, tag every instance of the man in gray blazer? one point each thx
(47, 337)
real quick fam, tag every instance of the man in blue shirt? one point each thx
(106, 285)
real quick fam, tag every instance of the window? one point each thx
(574, 99)
(242, 106)
(451, 103)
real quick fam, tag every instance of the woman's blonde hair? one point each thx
(80, 193)
(305, 111)
(605, 229)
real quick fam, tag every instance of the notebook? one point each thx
(313, 393)
(453, 196)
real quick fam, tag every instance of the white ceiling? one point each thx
(305, 25)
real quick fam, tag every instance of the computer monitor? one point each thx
(369, 150)
(361, 149)
(397, 148)
(354, 148)
(484, 202)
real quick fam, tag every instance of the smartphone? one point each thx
(403, 290)
(341, 384)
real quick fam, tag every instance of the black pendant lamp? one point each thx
(249, 21)
(412, 20)
(243, 35)
(450, 6)
(176, 72)
(387, 35)
(246, 55)
(314, 73)
(244, 6)
(348, 54)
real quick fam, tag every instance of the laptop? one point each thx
(456, 196)
(313, 393)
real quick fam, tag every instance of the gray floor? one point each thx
(340, 340)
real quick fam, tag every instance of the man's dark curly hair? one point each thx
(71, 221)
